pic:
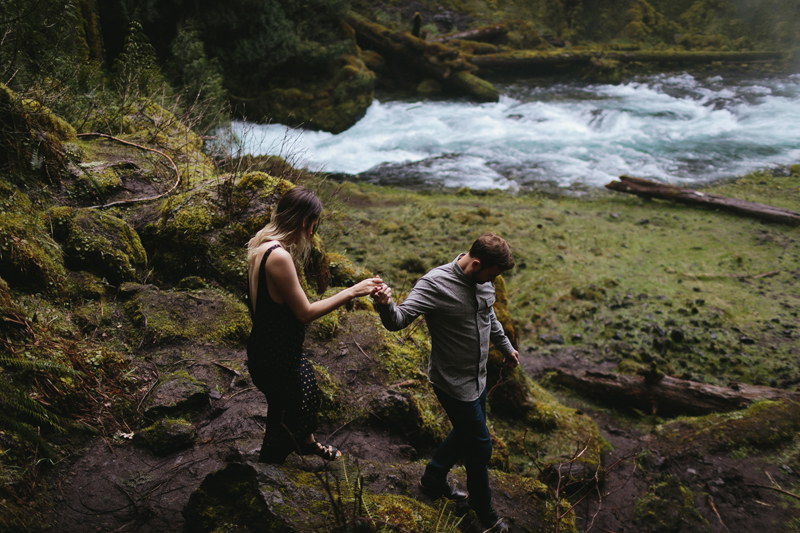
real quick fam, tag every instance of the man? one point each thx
(456, 300)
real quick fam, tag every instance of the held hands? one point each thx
(366, 286)
(382, 294)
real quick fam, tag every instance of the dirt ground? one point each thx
(115, 486)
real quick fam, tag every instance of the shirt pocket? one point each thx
(485, 303)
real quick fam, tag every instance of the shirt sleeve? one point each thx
(422, 300)
(498, 336)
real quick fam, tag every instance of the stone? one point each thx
(167, 436)
(177, 394)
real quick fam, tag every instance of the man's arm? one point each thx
(395, 317)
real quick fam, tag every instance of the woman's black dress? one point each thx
(279, 370)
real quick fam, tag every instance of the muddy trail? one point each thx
(117, 485)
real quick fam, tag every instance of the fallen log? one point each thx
(429, 59)
(665, 395)
(527, 60)
(482, 34)
(653, 189)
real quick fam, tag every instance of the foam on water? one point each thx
(671, 128)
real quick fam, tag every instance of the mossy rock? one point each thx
(32, 142)
(325, 327)
(230, 499)
(191, 283)
(204, 232)
(31, 259)
(5, 294)
(763, 425)
(168, 435)
(334, 101)
(145, 122)
(177, 394)
(84, 286)
(345, 273)
(669, 508)
(97, 242)
(166, 317)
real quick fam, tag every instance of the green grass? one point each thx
(612, 268)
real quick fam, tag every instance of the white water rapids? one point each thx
(672, 128)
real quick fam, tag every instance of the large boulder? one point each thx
(97, 242)
(230, 500)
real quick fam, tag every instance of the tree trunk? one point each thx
(423, 58)
(665, 395)
(652, 189)
(527, 60)
(483, 34)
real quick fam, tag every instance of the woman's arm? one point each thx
(280, 267)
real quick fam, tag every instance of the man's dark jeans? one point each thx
(468, 441)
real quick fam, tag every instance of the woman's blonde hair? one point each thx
(298, 207)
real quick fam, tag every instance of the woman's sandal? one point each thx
(326, 451)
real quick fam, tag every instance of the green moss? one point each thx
(669, 508)
(29, 258)
(166, 316)
(97, 242)
(333, 100)
(331, 407)
(84, 286)
(167, 436)
(32, 142)
(763, 425)
(345, 273)
(402, 511)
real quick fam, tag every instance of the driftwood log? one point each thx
(423, 58)
(653, 189)
(666, 395)
(482, 34)
(522, 61)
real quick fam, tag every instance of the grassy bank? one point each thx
(614, 276)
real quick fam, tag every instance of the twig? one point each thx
(714, 508)
(228, 368)
(239, 392)
(153, 386)
(361, 349)
(776, 489)
(174, 167)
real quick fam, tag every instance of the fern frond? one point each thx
(37, 365)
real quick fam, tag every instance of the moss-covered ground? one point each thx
(706, 294)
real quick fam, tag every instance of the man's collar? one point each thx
(460, 271)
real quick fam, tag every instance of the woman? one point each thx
(280, 311)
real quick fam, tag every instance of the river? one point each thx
(677, 128)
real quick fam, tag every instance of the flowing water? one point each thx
(673, 128)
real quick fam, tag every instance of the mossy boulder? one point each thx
(144, 122)
(204, 232)
(32, 139)
(168, 435)
(165, 317)
(84, 286)
(177, 394)
(331, 100)
(97, 242)
(31, 259)
(669, 508)
(345, 273)
(230, 500)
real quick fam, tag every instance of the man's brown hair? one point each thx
(492, 250)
